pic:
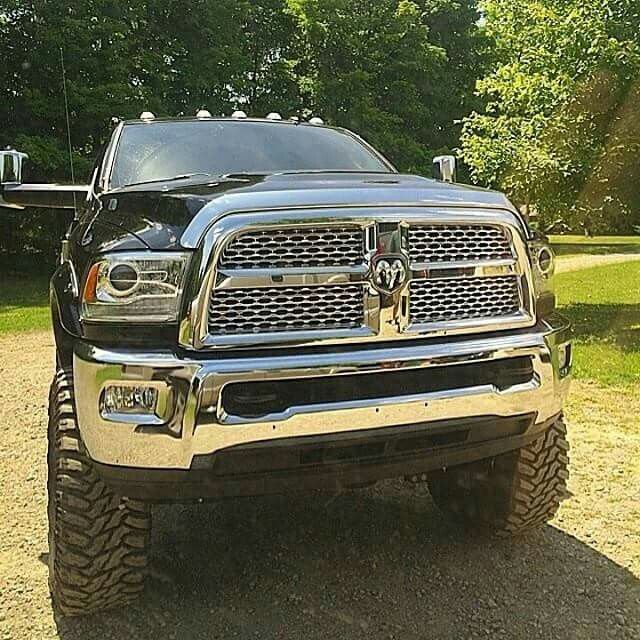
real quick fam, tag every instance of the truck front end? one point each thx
(331, 347)
(257, 306)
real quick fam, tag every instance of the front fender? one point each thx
(65, 315)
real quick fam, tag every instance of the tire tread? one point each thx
(512, 493)
(98, 540)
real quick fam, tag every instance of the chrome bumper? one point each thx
(192, 421)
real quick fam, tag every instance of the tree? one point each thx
(122, 58)
(271, 47)
(563, 75)
(392, 70)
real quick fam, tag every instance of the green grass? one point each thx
(597, 245)
(24, 304)
(603, 304)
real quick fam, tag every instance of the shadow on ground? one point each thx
(617, 323)
(381, 563)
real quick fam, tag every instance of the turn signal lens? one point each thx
(91, 283)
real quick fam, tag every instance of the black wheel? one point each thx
(511, 493)
(98, 540)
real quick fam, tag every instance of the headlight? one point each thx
(543, 267)
(134, 287)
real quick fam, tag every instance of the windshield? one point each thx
(153, 151)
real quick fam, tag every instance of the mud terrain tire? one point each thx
(511, 493)
(98, 540)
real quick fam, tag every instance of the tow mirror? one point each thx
(11, 162)
(444, 168)
(16, 195)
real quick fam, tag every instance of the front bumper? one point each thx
(193, 421)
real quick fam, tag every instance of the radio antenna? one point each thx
(66, 112)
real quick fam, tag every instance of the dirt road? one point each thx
(585, 261)
(381, 563)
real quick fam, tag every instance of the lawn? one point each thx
(603, 304)
(24, 304)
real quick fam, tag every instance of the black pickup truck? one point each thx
(247, 306)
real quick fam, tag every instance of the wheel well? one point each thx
(63, 339)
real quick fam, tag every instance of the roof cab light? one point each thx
(203, 113)
(274, 116)
(147, 115)
(240, 115)
(317, 121)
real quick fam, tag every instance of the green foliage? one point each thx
(397, 72)
(560, 131)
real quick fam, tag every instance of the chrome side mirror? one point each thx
(16, 195)
(444, 168)
(11, 162)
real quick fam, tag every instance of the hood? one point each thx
(170, 215)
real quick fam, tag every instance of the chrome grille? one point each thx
(450, 299)
(289, 247)
(276, 309)
(458, 243)
(273, 281)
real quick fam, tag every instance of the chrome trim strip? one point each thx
(464, 326)
(471, 268)
(276, 337)
(217, 212)
(256, 278)
(107, 165)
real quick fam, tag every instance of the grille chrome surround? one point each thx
(455, 299)
(283, 309)
(295, 247)
(442, 243)
(384, 230)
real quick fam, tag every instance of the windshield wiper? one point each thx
(183, 176)
(253, 174)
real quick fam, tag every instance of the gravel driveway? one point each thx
(585, 261)
(380, 563)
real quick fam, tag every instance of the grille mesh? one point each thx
(295, 247)
(463, 298)
(458, 243)
(272, 309)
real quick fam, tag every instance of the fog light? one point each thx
(136, 399)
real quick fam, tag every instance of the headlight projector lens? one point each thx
(123, 278)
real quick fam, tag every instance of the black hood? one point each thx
(171, 215)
